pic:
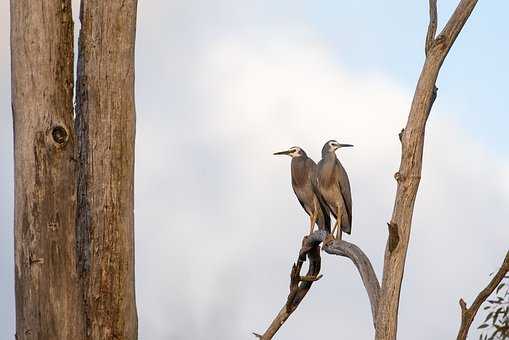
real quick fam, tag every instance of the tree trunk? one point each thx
(409, 174)
(105, 125)
(48, 304)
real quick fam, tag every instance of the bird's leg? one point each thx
(335, 227)
(312, 221)
(339, 234)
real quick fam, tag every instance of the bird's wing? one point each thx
(300, 178)
(324, 216)
(344, 184)
(301, 202)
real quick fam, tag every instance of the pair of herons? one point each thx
(322, 189)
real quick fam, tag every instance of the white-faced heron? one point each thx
(334, 187)
(304, 173)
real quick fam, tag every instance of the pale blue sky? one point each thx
(222, 84)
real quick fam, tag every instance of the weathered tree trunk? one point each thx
(48, 304)
(409, 174)
(105, 125)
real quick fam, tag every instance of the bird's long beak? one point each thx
(286, 152)
(345, 145)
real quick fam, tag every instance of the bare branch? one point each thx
(468, 314)
(299, 285)
(432, 26)
(457, 21)
(361, 261)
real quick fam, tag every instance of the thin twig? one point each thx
(468, 314)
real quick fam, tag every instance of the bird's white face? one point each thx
(333, 145)
(294, 151)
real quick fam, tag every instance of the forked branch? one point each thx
(468, 314)
(300, 285)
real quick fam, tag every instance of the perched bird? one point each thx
(334, 187)
(303, 183)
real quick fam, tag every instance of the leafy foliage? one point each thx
(496, 324)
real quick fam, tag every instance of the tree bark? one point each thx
(409, 174)
(48, 304)
(105, 125)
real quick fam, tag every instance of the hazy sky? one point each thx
(220, 85)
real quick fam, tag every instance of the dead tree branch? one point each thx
(300, 285)
(468, 314)
(361, 261)
(412, 141)
(432, 27)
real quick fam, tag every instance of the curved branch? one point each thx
(468, 314)
(361, 261)
(299, 285)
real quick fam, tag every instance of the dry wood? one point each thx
(299, 286)
(409, 174)
(468, 314)
(105, 125)
(47, 297)
(361, 261)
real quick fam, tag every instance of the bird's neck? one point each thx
(298, 170)
(298, 162)
(327, 155)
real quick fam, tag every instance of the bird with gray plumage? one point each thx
(334, 187)
(304, 173)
